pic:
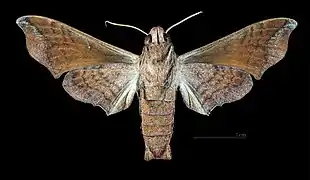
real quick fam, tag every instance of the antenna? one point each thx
(125, 25)
(183, 21)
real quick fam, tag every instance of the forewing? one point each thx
(111, 86)
(205, 86)
(61, 48)
(253, 49)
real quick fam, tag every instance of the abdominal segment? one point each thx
(157, 127)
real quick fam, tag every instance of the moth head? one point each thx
(157, 35)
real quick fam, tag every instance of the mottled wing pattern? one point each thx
(111, 86)
(61, 48)
(219, 72)
(253, 49)
(98, 73)
(205, 86)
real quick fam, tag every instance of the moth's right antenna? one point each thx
(125, 25)
(183, 21)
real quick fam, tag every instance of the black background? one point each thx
(55, 133)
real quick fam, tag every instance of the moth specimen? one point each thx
(107, 76)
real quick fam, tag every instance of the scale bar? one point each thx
(220, 137)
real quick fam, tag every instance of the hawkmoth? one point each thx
(107, 76)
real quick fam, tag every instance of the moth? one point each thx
(107, 76)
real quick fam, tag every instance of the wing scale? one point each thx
(98, 73)
(219, 72)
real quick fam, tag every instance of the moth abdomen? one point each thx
(157, 128)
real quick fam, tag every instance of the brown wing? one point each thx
(205, 86)
(253, 49)
(110, 86)
(61, 48)
(219, 72)
(99, 73)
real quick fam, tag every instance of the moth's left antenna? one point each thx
(183, 21)
(125, 25)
